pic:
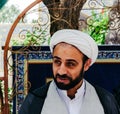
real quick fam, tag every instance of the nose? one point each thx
(62, 69)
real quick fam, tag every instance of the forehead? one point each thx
(64, 45)
(67, 51)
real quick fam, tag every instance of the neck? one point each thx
(71, 92)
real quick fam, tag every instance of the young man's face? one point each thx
(68, 66)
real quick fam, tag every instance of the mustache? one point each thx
(64, 76)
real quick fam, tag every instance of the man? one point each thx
(69, 93)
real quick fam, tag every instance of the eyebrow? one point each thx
(56, 57)
(68, 60)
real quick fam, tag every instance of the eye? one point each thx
(71, 64)
(56, 62)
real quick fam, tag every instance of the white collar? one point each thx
(73, 105)
(80, 92)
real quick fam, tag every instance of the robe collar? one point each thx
(54, 104)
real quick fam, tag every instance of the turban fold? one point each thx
(80, 40)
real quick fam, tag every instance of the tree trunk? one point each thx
(64, 13)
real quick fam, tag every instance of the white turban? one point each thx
(81, 40)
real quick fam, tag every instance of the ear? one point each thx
(87, 64)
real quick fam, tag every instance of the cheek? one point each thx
(76, 72)
(73, 73)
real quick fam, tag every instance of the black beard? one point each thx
(72, 83)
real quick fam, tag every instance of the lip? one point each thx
(62, 80)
